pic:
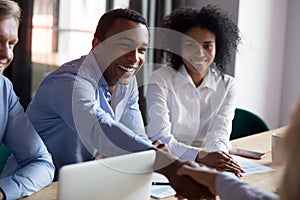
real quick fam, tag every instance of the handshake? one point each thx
(192, 179)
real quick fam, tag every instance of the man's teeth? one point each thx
(127, 69)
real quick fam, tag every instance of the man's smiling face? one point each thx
(8, 40)
(123, 52)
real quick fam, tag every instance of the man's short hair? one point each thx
(109, 18)
(10, 8)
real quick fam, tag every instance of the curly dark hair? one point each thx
(209, 17)
(108, 19)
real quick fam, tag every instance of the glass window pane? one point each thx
(63, 34)
(121, 3)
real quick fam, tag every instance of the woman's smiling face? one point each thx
(198, 50)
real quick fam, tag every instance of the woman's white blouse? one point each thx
(187, 118)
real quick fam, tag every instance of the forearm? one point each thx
(217, 138)
(229, 187)
(114, 139)
(27, 180)
(183, 151)
(179, 149)
(219, 143)
(165, 162)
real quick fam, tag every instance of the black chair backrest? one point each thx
(246, 123)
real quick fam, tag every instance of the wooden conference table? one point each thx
(259, 142)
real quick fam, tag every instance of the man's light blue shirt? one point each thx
(30, 167)
(79, 120)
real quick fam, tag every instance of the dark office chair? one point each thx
(4, 154)
(246, 123)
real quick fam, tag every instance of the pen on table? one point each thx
(160, 183)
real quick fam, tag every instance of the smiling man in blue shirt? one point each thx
(30, 167)
(89, 107)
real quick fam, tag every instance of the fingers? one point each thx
(230, 167)
(226, 167)
(231, 163)
(221, 161)
(225, 162)
(225, 156)
(228, 163)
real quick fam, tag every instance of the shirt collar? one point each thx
(209, 80)
(94, 69)
(90, 70)
(102, 83)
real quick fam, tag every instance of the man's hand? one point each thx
(184, 186)
(202, 174)
(219, 160)
(190, 189)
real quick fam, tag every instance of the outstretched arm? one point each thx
(225, 184)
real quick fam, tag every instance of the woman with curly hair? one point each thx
(191, 100)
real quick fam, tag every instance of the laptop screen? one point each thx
(121, 177)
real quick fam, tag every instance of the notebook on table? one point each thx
(122, 177)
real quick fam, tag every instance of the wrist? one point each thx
(200, 156)
(166, 163)
(170, 169)
(209, 178)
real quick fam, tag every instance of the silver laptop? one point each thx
(115, 178)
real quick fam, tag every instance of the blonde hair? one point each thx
(291, 178)
(10, 8)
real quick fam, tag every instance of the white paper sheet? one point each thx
(251, 167)
(161, 191)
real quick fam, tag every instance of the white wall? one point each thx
(291, 69)
(260, 74)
